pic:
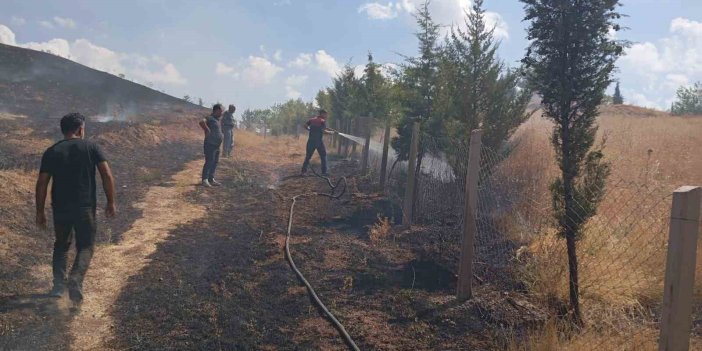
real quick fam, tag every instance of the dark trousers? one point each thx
(67, 224)
(321, 150)
(211, 160)
(228, 141)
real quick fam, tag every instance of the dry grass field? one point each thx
(623, 248)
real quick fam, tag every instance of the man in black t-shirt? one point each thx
(213, 141)
(315, 142)
(71, 163)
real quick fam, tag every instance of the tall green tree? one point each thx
(617, 98)
(344, 95)
(571, 57)
(689, 101)
(374, 92)
(479, 90)
(417, 82)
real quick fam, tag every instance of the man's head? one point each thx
(73, 125)
(217, 110)
(232, 108)
(323, 113)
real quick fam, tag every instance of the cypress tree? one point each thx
(617, 99)
(571, 58)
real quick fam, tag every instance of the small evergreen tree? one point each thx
(199, 102)
(374, 93)
(186, 98)
(482, 91)
(689, 101)
(617, 98)
(418, 84)
(571, 57)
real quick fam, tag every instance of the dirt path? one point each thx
(164, 208)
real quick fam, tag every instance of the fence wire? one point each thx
(621, 249)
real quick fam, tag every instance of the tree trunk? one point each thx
(570, 230)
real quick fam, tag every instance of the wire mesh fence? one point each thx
(621, 249)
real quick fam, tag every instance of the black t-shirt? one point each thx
(72, 164)
(316, 126)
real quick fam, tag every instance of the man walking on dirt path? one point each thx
(213, 141)
(71, 163)
(228, 125)
(317, 127)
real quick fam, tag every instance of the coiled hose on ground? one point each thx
(332, 194)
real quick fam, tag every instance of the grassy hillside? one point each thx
(43, 85)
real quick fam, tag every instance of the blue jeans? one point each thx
(228, 141)
(211, 160)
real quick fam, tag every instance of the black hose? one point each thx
(347, 338)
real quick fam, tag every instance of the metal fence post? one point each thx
(465, 267)
(407, 207)
(676, 316)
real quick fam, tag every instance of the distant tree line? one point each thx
(689, 101)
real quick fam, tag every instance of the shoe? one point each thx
(206, 183)
(215, 183)
(75, 293)
(57, 290)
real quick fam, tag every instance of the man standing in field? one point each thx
(228, 125)
(213, 141)
(71, 163)
(317, 127)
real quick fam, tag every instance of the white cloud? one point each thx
(58, 47)
(327, 63)
(259, 71)
(7, 36)
(301, 61)
(291, 93)
(278, 55)
(141, 68)
(296, 80)
(17, 21)
(358, 70)
(445, 12)
(65, 22)
(165, 73)
(379, 11)
(223, 70)
(46, 24)
(639, 99)
(658, 69)
(255, 71)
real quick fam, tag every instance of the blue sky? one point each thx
(255, 53)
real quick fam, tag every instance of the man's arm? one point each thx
(41, 190)
(108, 184)
(203, 125)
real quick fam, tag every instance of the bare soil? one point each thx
(190, 268)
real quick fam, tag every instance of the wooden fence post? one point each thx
(339, 140)
(465, 266)
(676, 315)
(354, 131)
(407, 207)
(386, 149)
(366, 145)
